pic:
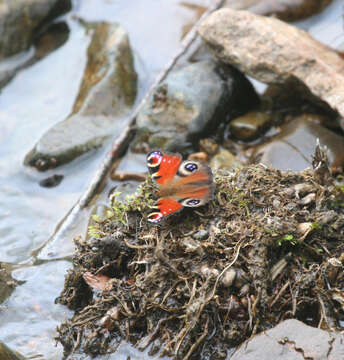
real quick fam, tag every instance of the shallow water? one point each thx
(42, 95)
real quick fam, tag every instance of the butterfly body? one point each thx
(180, 183)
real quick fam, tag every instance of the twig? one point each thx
(283, 289)
(224, 270)
(146, 341)
(199, 341)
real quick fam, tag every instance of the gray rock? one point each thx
(191, 104)
(292, 340)
(293, 148)
(275, 52)
(106, 95)
(20, 19)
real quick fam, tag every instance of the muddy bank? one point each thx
(267, 248)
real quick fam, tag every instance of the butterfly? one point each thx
(180, 183)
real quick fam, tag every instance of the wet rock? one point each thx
(293, 148)
(287, 10)
(250, 126)
(7, 285)
(20, 21)
(191, 104)
(53, 37)
(225, 160)
(51, 181)
(275, 52)
(8, 354)
(106, 95)
(292, 340)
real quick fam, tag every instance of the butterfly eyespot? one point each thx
(154, 158)
(187, 168)
(155, 217)
(191, 167)
(191, 202)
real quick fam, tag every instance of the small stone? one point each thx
(207, 271)
(228, 277)
(249, 126)
(307, 199)
(51, 181)
(276, 203)
(201, 235)
(209, 146)
(225, 160)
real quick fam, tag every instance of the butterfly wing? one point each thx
(164, 207)
(163, 166)
(194, 186)
(181, 183)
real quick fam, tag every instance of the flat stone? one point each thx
(106, 95)
(191, 104)
(20, 19)
(275, 52)
(293, 147)
(292, 340)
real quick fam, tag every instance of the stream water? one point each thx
(42, 95)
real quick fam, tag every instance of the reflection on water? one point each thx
(42, 95)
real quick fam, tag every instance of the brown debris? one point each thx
(207, 280)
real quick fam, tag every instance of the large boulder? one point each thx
(275, 52)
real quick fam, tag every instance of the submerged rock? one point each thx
(287, 10)
(292, 340)
(20, 19)
(293, 147)
(275, 52)
(191, 104)
(250, 126)
(107, 92)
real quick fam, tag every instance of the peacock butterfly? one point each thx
(180, 183)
